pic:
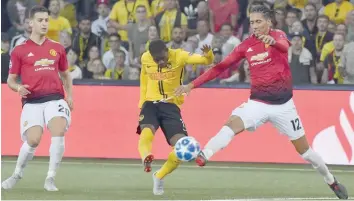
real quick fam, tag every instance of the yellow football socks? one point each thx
(145, 142)
(170, 165)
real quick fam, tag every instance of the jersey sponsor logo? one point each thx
(162, 76)
(260, 57)
(44, 62)
(53, 52)
(329, 137)
(261, 62)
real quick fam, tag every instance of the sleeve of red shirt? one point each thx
(282, 43)
(15, 62)
(234, 57)
(63, 61)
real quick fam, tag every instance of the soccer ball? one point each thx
(187, 148)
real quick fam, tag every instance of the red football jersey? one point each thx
(270, 73)
(39, 67)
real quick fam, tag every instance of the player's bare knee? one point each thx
(57, 126)
(148, 126)
(301, 145)
(173, 140)
(34, 135)
(236, 124)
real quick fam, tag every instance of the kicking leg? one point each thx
(168, 167)
(33, 137)
(302, 147)
(145, 145)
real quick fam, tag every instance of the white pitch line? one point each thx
(207, 167)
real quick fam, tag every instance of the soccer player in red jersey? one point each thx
(271, 94)
(39, 62)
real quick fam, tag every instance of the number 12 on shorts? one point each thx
(296, 124)
(63, 109)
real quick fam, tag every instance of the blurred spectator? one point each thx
(138, 33)
(75, 70)
(297, 27)
(68, 10)
(301, 62)
(319, 6)
(16, 10)
(331, 27)
(105, 37)
(65, 39)
(84, 40)
(203, 36)
(242, 75)
(300, 4)
(99, 26)
(346, 66)
(221, 12)
(153, 34)
(22, 37)
(56, 23)
(189, 8)
(350, 24)
(229, 41)
(329, 47)
(94, 54)
(280, 18)
(95, 70)
(217, 42)
(291, 16)
(309, 23)
(5, 57)
(280, 4)
(177, 40)
(157, 6)
(331, 73)
(338, 10)
(169, 18)
(108, 57)
(120, 71)
(322, 36)
(133, 74)
(123, 12)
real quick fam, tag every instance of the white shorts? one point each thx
(39, 114)
(284, 117)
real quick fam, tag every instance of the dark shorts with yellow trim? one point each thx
(164, 115)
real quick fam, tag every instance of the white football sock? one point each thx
(218, 142)
(319, 165)
(56, 151)
(25, 155)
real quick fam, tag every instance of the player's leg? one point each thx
(148, 124)
(32, 122)
(248, 116)
(174, 129)
(286, 119)
(57, 116)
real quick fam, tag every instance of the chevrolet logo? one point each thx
(44, 62)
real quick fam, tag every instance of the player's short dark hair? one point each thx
(114, 35)
(156, 47)
(267, 13)
(323, 17)
(37, 9)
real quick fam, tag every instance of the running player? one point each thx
(39, 61)
(271, 94)
(162, 71)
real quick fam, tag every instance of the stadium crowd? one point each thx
(104, 39)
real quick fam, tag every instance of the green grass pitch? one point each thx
(82, 179)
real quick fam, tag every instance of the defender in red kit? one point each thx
(43, 68)
(271, 95)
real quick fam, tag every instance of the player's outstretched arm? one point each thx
(234, 57)
(206, 59)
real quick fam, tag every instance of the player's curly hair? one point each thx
(267, 13)
(157, 46)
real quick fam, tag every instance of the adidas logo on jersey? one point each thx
(249, 50)
(30, 54)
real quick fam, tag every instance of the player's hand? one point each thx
(206, 49)
(183, 90)
(23, 90)
(70, 102)
(267, 39)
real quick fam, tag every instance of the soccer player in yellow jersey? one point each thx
(162, 71)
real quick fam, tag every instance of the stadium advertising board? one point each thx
(105, 118)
